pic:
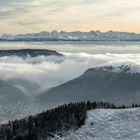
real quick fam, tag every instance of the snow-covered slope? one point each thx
(109, 124)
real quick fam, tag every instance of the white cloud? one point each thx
(36, 15)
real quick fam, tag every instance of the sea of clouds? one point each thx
(45, 72)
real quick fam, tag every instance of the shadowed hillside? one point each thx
(109, 84)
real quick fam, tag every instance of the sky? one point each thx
(22, 16)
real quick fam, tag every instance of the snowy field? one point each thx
(108, 124)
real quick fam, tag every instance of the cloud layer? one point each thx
(46, 72)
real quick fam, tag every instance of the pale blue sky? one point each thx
(21, 16)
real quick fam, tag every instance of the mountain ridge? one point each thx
(29, 52)
(100, 84)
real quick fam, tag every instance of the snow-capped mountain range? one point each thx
(72, 36)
